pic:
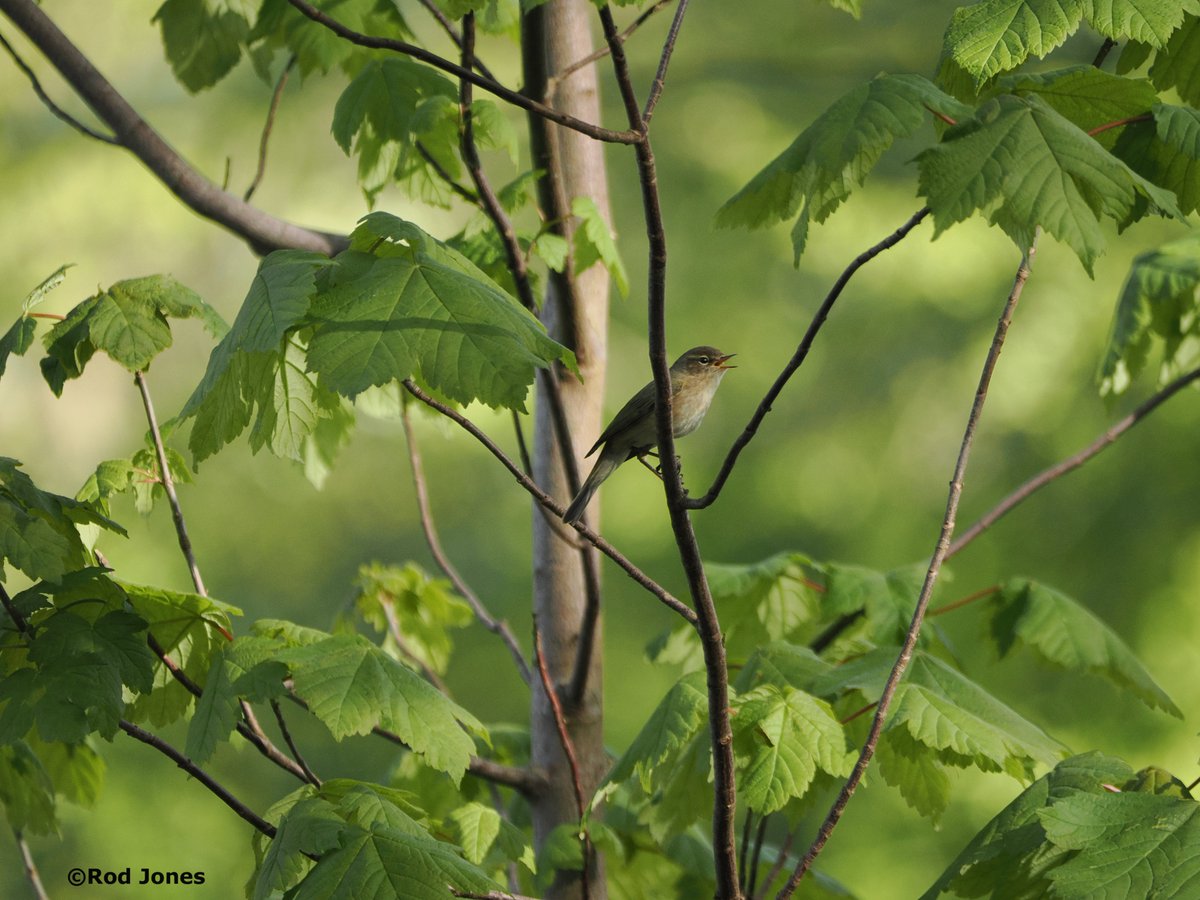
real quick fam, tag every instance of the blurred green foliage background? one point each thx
(852, 465)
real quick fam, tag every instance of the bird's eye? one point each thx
(705, 360)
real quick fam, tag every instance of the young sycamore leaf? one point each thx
(1177, 65)
(405, 603)
(944, 710)
(1127, 845)
(476, 826)
(1166, 151)
(26, 792)
(258, 367)
(309, 825)
(679, 716)
(1160, 299)
(1087, 96)
(386, 862)
(202, 39)
(771, 600)
(353, 686)
(838, 150)
(1012, 849)
(19, 337)
(192, 629)
(918, 774)
(128, 322)
(781, 737)
(1065, 182)
(39, 530)
(421, 308)
(1064, 633)
(75, 770)
(594, 243)
(1150, 22)
(390, 107)
(998, 35)
(280, 26)
(782, 664)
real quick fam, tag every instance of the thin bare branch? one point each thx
(524, 781)
(931, 575)
(490, 203)
(568, 746)
(660, 76)
(13, 613)
(226, 797)
(744, 849)
(168, 483)
(799, 356)
(601, 52)
(438, 169)
(248, 728)
(549, 503)
(30, 867)
(397, 636)
(453, 68)
(265, 140)
(724, 834)
(287, 737)
(424, 511)
(1102, 54)
(489, 895)
(1056, 471)
(260, 229)
(448, 26)
(759, 837)
(54, 108)
(780, 859)
(522, 446)
(253, 731)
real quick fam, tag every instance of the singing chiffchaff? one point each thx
(633, 431)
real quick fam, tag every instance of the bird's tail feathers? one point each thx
(604, 467)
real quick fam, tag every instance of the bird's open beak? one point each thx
(721, 361)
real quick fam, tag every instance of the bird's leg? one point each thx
(641, 457)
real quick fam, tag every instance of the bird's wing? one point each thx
(628, 416)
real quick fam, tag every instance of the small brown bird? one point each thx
(695, 377)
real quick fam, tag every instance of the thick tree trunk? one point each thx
(576, 313)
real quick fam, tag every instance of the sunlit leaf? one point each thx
(1064, 633)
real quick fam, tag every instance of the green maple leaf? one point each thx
(1012, 849)
(1024, 165)
(1158, 300)
(1150, 22)
(1177, 65)
(353, 686)
(1128, 844)
(422, 308)
(385, 862)
(782, 736)
(1064, 633)
(203, 40)
(128, 322)
(942, 709)
(678, 718)
(818, 171)
(998, 35)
